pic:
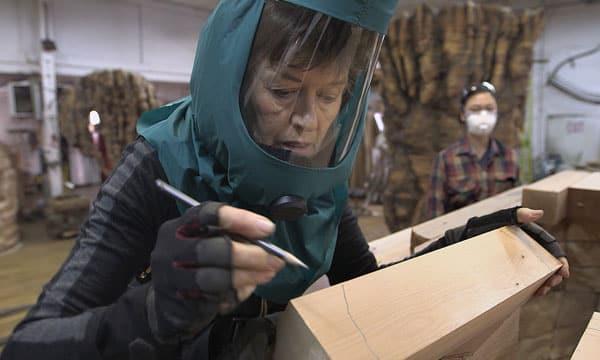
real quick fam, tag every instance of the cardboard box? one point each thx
(584, 199)
(550, 194)
(589, 345)
(425, 308)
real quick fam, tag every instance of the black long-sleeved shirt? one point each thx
(87, 310)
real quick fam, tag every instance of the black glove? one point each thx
(478, 225)
(544, 238)
(191, 275)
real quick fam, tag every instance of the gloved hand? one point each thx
(548, 242)
(524, 218)
(198, 271)
(519, 216)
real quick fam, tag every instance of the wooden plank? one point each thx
(393, 247)
(435, 228)
(503, 343)
(419, 309)
(293, 339)
(500, 340)
(589, 345)
(422, 246)
(583, 199)
(550, 194)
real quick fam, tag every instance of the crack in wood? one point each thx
(356, 325)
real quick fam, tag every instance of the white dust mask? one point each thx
(482, 122)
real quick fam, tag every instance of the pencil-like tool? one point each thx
(267, 246)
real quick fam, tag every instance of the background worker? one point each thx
(479, 165)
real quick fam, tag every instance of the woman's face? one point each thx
(480, 102)
(480, 115)
(295, 108)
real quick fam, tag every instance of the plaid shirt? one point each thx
(459, 178)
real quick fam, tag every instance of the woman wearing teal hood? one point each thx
(266, 143)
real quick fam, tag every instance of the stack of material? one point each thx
(552, 325)
(118, 96)
(427, 59)
(9, 207)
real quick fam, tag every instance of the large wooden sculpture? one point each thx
(428, 57)
(9, 228)
(119, 97)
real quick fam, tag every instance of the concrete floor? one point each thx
(24, 272)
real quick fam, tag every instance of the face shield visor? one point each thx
(305, 84)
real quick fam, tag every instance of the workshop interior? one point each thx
(300, 179)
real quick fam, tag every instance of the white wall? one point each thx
(563, 124)
(19, 36)
(154, 38)
(157, 38)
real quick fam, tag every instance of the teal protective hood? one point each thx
(207, 152)
(373, 15)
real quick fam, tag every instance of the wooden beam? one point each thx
(550, 194)
(424, 308)
(589, 345)
(392, 248)
(583, 199)
(500, 341)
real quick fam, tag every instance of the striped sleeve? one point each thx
(76, 313)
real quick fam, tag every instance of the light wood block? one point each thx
(589, 345)
(392, 248)
(497, 342)
(435, 228)
(550, 194)
(425, 308)
(584, 199)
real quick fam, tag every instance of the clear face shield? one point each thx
(306, 83)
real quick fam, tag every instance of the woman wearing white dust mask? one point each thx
(479, 165)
